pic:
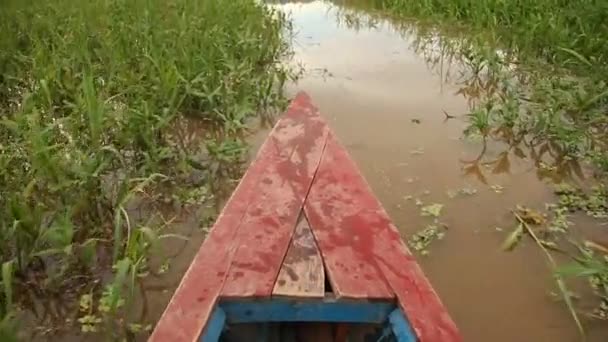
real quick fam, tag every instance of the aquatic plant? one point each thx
(90, 95)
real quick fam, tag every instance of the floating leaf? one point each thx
(530, 216)
(418, 151)
(513, 238)
(433, 210)
(468, 191)
(549, 245)
(464, 191)
(421, 240)
(559, 222)
(497, 188)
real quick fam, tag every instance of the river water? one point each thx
(385, 91)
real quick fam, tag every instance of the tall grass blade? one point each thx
(7, 283)
(94, 109)
(559, 280)
(577, 55)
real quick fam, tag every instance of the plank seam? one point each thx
(314, 236)
(302, 211)
(373, 263)
(282, 253)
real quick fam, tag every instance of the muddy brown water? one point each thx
(385, 94)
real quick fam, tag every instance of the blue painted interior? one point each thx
(401, 327)
(215, 326)
(283, 310)
(325, 310)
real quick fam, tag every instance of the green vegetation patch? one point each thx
(99, 101)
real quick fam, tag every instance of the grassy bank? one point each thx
(540, 28)
(91, 93)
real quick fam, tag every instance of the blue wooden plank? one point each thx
(215, 326)
(285, 310)
(401, 327)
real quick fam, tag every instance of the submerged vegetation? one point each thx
(534, 67)
(108, 107)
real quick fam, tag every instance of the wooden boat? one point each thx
(303, 239)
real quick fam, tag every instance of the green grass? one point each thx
(90, 95)
(538, 27)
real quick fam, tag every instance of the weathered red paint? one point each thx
(332, 207)
(269, 222)
(362, 249)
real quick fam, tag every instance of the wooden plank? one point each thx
(215, 326)
(331, 207)
(193, 301)
(360, 245)
(302, 273)
(270, 220)
(290, 310)
(400, 327)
